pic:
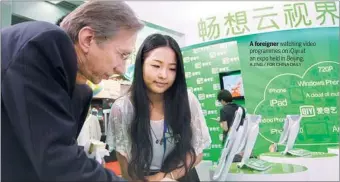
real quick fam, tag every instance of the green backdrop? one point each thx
(202, 64)
(309, 85)
(305, 81)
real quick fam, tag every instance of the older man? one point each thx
(39, 66)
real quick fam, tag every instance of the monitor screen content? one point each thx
(232, 81)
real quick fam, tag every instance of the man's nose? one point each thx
(120, 69)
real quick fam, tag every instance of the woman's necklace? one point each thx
(160, 142)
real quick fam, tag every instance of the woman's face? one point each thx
(159, 69)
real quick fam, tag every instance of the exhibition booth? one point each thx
(279, 60)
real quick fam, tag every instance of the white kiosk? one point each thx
(230, 148)
(242, 139)
(291, 129)
(321, 166)
(250, 133)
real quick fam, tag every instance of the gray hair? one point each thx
(106, 18)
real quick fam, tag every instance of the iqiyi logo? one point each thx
(214, 70)
(210, 96)
(307, 111)
(212, 55)
(192, 74)
(190, 59)
(223, 69)
(205, 64)
(216, 86)
(199, 81)
(217, 70)
(211, 112)
(228, 60)
(198, 65)
(216, 146)
(201, 96)
(211, 79)
(197, 73)
(198, 89)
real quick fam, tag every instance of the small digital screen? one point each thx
(232, 81)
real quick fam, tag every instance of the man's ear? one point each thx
(85, 38)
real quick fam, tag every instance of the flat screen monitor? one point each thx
(232, 81)
(251, 131)
(230, 148)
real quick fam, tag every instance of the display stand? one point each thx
(251, 131)
(277, 172)
(230, 148)
(321, 166)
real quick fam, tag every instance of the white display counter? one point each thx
(321, 166)
(278, 172)
(333, 150)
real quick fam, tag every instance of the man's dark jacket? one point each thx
(38, 127)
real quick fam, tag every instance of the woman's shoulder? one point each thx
(122, 103)
(192, 97)
(122, 110)
(194, 104)
(122, 99)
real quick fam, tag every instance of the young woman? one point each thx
(158, 129)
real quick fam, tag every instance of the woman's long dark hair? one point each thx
(176, 109)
